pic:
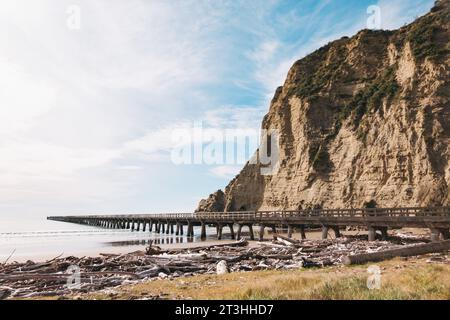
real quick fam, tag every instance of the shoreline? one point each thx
(109, 271)
(108, 250)
(127, 249)
(271, 269)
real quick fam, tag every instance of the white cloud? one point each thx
(228, 121)
(394, 14)
(225, 172)
(24, 97)
(241, 117)
(83, 112)
(265, 51)
(72, 101)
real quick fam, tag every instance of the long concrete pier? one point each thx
(437, 219)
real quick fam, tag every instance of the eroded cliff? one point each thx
(363, 118)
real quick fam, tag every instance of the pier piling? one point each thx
(437, 219)
(324, 232)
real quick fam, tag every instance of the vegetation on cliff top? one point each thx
(422, 34)
(317, 70)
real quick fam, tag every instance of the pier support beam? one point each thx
(231, 226)
(203, 232)
(261, 232)
(252, 235)
(250, 229)
(219, 231)
(290, 231)
(372, 234)
(302, 232)
(324, 232)
(168, 227)
(239, 230)
(190, 230)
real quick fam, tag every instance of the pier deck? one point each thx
(437, 219)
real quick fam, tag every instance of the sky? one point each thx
(92, 91)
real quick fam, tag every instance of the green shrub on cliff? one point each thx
(421, 36)
(370, 98)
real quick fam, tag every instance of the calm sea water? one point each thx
(37, 238)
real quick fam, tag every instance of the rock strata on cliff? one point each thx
(361, 119)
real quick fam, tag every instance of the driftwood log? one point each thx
(49, 278)
(285, 240)
(407, 251)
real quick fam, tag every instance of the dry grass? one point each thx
(413, 279)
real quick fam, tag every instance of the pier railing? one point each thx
(437, 219)
(284, 214)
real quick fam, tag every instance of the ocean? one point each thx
(36, 238)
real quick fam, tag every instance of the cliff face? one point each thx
(363, 118)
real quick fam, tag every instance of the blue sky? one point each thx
(86, 114)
